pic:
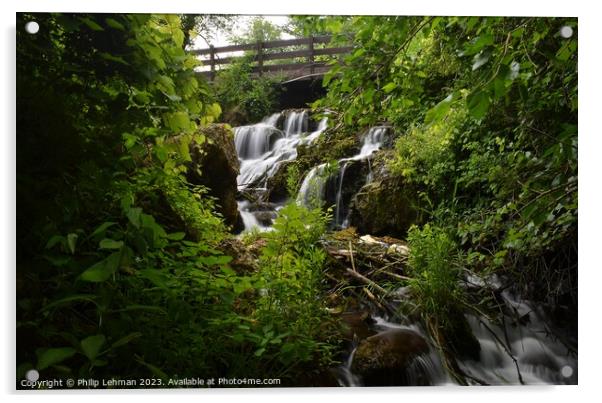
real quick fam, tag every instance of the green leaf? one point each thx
(108, 243)
(438, 111)
(478, 104)
(154, 370)
(102, 270)
(113, 23)
(91, 346)
(389, 87)
(102, 228)
(178, 121)
(133, 215)
(54, 356)
(156, 277)
(71, 241)
(71, 298)
(54, 240)
(477, 44)
(91, 24)
(176, 236)
(125, 340)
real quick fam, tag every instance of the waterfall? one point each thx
(262, 148)
(339, 198)
(296, 123)
(312, 188)
(372, 141)
(541, 357)
(522, 335)
(254, 141)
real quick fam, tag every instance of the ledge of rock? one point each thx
(219, 164)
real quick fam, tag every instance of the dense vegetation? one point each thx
(120, 273)
(487, 111)
(125, 269)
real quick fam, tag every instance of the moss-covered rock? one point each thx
(277, 184)
(384, 359)
(215, 164)
(385, 205)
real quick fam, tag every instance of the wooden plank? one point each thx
(224, 49)
(266, 45)
(286, 55)
(289, 66)
(333, 51)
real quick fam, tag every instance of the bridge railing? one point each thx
(263, 51)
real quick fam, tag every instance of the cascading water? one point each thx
(263, 147)
(526, 343)
(525, 348)
(372, 141)
(540, 355)
(312, 188)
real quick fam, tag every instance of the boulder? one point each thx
(386, 358)
(215, 165)
(277, 184)
(244, 257)
(356, 325)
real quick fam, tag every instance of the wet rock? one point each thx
(384, 207)
(356, 325)
(341, 188)
(215, 164)
(458, 336)
(280, 123)
(277, 184)
(386, 358)
(265, 218)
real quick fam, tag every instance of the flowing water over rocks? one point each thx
(262, 148)
(387, 349)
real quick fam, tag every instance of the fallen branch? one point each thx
(367, 281)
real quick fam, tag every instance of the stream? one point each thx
(526, 350)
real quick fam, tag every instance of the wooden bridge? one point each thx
(302, 63)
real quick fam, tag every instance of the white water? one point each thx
(541, 357)
(312, 188)
(262, 148)
(428, 365)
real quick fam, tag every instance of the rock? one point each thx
(385, 358)
(265, 218)
(277, 184)
(215, 164)
(386, 205)
(356, 325)
(244, 258)
(458, 336)
(383, 207)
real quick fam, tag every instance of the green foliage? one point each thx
(293, 316)
(434, 264)
(487, 111)
(123, 247)
(293, 179)
(245, 97)
(258, 30)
